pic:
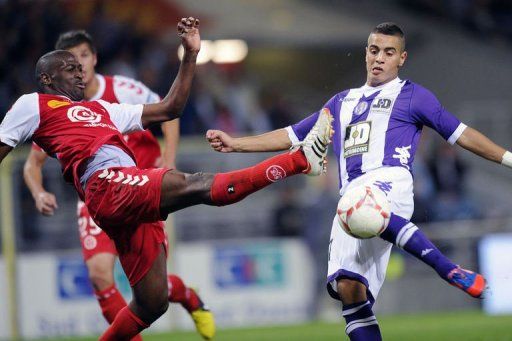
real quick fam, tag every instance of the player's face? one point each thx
(87, 58)
(67, 78)
(384, 57)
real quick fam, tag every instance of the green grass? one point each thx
(467, 326)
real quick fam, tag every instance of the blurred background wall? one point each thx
(271, 248)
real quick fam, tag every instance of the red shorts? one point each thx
(125, 202)
(92, 238)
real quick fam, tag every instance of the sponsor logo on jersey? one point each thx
(382, 106)
(82, 114)
(57, 104)
(357, 138)
(101, 124)
(275, 173)
(360, 108)
(348, 99)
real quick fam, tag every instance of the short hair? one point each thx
(390, 29)
(74, 38)
(49, 62)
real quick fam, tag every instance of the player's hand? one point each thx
(46, 203)
(220, 141)
(188, 30)
(165, 162)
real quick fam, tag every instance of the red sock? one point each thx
(126, 326)
(179, 293)
(231, 187)
(111, 302)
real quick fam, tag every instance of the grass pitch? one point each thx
(467, 326)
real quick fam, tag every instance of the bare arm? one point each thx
(171, 132)
(476, 142)
(275, 140)
(173, 103)
(46, 203)
(4, 150)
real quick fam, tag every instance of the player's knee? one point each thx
(351, 291)
(199, 180)
(161, 306)
(101, 276)
(154, 302)
(158, 305)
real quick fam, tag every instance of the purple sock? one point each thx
(361, 323)
(407, 236)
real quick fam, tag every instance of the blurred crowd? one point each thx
(143, 47)
(486, 18)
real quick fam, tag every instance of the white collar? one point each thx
(101, 87)
(370, 89)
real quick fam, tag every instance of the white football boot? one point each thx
(316, 142)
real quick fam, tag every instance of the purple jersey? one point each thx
(381, 126)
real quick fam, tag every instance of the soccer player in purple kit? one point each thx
(377, 131)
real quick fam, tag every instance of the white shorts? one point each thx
(366, 260)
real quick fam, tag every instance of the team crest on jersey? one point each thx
(90, 242)
(83, 114)
(357, 139)
(360, 108)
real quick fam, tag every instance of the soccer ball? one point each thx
(363, 212)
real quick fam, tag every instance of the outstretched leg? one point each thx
(407, 236)
(181, 190)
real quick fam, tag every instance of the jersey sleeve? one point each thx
(427, 110)
(126, 117)
(130, 91)
(21, 121)
(298, 131)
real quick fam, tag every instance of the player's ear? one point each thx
(45, 79)
(403, 57)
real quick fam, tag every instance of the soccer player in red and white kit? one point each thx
(98, 249)
(128, 202)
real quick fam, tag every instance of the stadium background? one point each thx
(261, 263)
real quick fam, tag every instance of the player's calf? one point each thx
(362, 324)
(407, 236)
